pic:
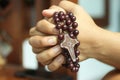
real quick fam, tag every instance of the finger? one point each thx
(82, 57)
(68, 6)
(46, 63)
(34, 32)
(37, 50)
(49, 12)
(49, 54)
(43, 41)
(46, 27)
(57, 63)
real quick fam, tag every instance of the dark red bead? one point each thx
(78, 66)
(76, 32)
(70, 29)
(73, 69)
(76, 69)
(58, 26)
(71, 65)
(71, 35)
(55, 15)
(66, 17)
(68, 22)
(77, 59)
(77, 52)
(64, 27)
(56, 20)
(61, 13)
(78, 44)
(62, 17)
(70, 14)
(75, 24)
(73, 18)
(61, 36)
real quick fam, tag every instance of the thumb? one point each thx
(68, 6)
(49, 12)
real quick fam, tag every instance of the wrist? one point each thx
(97, 43)
(103, 44)
(91, 45)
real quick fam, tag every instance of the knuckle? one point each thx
(62, 2)
(42, 42)
(30, 41)
(40, 23)
(39, 58)
(35, 50)
(35, 41)
(53, 67)
(53, 6)
(31, 31)
(74, 8)
(49, 53)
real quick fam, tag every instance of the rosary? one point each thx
(67, 38)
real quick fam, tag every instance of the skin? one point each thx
(95, 42)
(113, 75)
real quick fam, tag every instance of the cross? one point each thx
(69, 44)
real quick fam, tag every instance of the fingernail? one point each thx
(45, 11)
(60, 59)
(48, 12)
(55, 31)
(52, 41)
(57, 49)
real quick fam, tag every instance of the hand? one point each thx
(44, 41)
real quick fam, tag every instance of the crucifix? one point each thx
(69, 44)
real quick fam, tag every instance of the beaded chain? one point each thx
(67, 38)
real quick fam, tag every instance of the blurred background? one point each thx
(17, 61)
(92, 69)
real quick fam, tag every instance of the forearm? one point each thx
(109, 48)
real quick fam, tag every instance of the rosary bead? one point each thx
(70, 29)
(75, 24)
(77, 52)
(66, 16)
(78, 44)
(55, 15)
(58, 26)
(70, 14)
(71, 35)
(71, 65)
(73, 69)
(68, 22)
(76, 69)
(61, 36)
(64, 27)
(77, 59)
(57, 20)
(78, 66)
(62, 17)
(61, 13)
(76, 32)
(73, 18)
